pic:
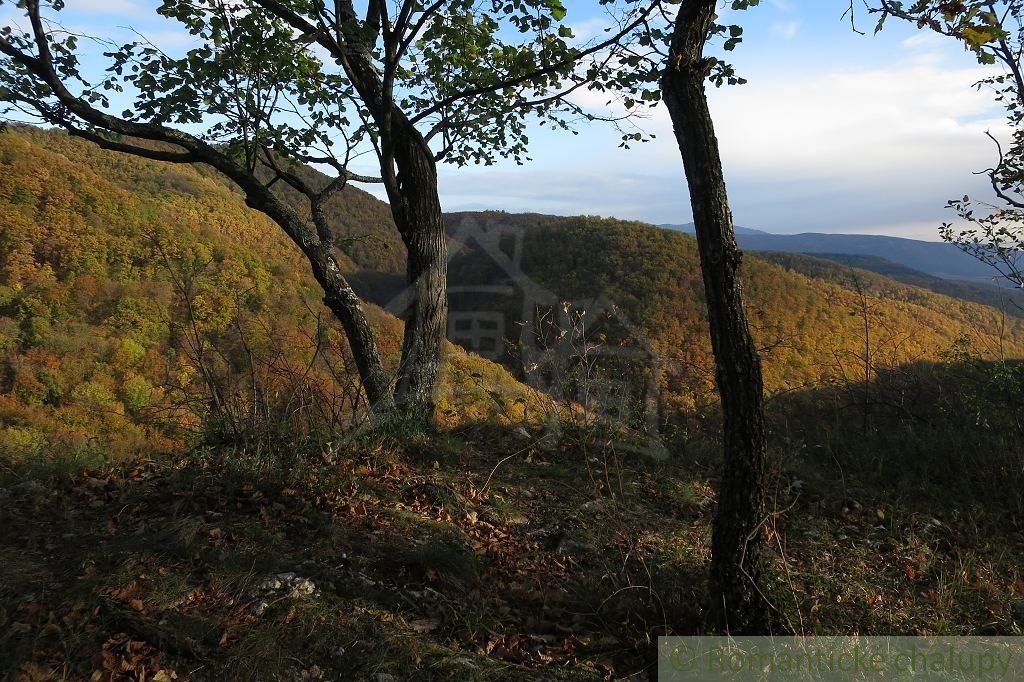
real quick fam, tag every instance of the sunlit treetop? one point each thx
(986, 27)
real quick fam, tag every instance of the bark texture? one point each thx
(409, 173)
(737, 602)
(416, 208)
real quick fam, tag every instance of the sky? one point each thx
(834, 132)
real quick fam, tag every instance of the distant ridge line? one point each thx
(937, 259)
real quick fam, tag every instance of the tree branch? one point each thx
(551, 68)
(993, 174)
(124, 148)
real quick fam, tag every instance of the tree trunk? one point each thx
(339, 296)
(416, 208)
(737, 603)
(410, 178)
(346, 306)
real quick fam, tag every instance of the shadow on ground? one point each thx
(446, 559)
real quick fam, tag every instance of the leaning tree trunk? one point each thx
(737, 603)
(416, 208)
(343, 301)
(339, 296)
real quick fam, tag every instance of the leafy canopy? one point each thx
(325, 82)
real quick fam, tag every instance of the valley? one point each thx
(170, 376)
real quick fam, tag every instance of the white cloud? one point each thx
(877, 149)
(843, 123)
(120, 8)
(924, 40)
(786, 30)
(926, 230)
(171, 40)
(855, 122)
(588, 29)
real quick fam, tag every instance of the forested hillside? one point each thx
(108, 260)
(813, 330)
(257, 424)
(998, 293)
(171, 392)
(141, 303)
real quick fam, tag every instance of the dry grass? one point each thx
(465, 555)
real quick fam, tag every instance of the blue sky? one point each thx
(835, 131)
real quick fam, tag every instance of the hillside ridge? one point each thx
(937, 259)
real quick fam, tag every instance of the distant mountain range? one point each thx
(740, 230)
(931, 258)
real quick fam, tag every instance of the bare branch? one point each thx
(993, 174)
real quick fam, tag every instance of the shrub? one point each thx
(21, 443)
(136, 393)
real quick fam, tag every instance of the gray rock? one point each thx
(549, 442)
(281, 586)
(30, 486)
(567, 546)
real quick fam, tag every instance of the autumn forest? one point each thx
(259, 423)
